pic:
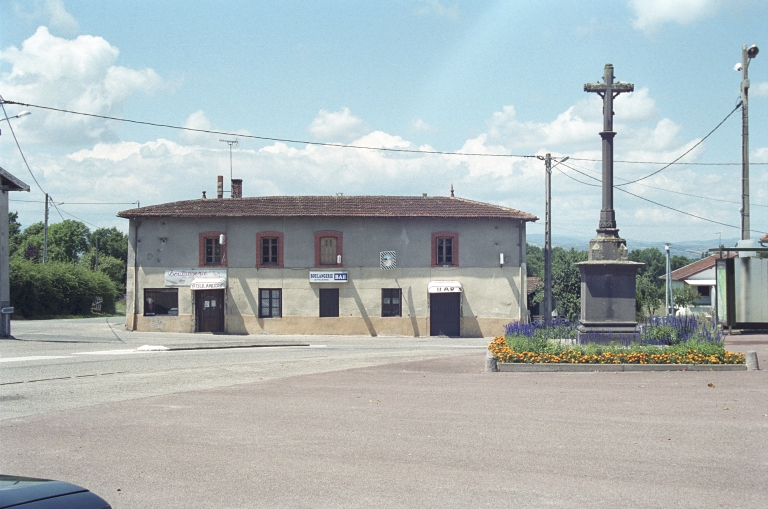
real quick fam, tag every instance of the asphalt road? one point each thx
(372, 422)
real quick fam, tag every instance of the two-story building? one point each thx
(378, 265)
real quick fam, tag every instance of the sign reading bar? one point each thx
(184, 277)
(339, 276)
(444, 287)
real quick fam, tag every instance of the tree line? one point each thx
(566, 279)
(70, 281)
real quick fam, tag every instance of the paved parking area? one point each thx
(427, 433)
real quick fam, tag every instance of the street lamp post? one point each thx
(747, 54)
(18, 115)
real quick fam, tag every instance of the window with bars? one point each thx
(270, 302)
(391, 302)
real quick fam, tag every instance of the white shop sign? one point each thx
(184, 277)
(444, 287)
(208, 283)
(339, 276)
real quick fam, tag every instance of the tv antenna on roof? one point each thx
(230, 143)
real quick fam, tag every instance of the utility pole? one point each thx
(548, 236)
(96, 267)
(747, 54)
(45, 232)
(230, 143)
(548, 243)
(670, 300)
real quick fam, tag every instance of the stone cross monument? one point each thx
(608, 277)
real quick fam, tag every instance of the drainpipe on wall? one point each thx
(135, 325)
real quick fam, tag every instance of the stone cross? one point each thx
(608, 91)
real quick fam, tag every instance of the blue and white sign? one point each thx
(325, 276)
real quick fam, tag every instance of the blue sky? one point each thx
(472, 77)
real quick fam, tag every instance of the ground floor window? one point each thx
(161, 301)
(390, 302)
(270, 303)
(329, 302)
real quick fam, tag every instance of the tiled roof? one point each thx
(532, 283)
(694, 268)
(330, 206)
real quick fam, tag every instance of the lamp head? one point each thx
(24, 114)
(753, 51)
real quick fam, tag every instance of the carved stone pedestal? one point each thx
(608, 292)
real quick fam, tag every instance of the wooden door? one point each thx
(209, 310)
(445, 314)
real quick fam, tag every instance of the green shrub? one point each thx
(57, 289)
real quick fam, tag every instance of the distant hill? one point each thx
(689, 248)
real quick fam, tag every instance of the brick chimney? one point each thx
(220, 187)
(237, 188)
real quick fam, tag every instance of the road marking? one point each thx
(34, 358)
(108, 352)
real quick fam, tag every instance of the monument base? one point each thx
(608, 292)
(606, 334)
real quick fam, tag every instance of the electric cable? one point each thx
(674, 192)
(687, 151)
(654, 202)
(10, 126)
(267, 138)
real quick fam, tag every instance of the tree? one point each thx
(649, 294)
(566, 281)
(534, 260)
(685, 296)
(112, 242)
(67, 240)
(112, 267)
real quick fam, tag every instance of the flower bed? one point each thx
(662, 340)
(612, 355)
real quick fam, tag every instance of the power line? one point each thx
(675, 192)
(267, 138)
(687, 151)
(650, 201)
(10, 126)
(81, 202)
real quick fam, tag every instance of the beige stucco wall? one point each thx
(491, 293)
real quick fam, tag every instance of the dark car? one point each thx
(31, 493)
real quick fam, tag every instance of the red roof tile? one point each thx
(696, 267)
(330, 206)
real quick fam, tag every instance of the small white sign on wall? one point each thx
(325, 276)
(184, 277)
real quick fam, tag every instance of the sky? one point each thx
(497, 78)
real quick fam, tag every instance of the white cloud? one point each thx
(76, 74)
(58, 17)
(436, 7)
(759, 89)
(418, 125)
(336, 125)
(162, 170)
(652, 14)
